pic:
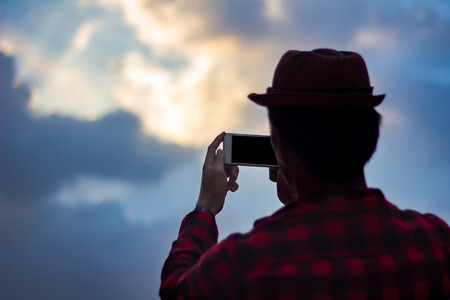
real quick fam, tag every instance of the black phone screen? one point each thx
(255, 150)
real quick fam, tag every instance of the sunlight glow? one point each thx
(189, 104)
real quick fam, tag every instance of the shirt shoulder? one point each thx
(435, 227)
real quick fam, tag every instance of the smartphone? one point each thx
(249, 150)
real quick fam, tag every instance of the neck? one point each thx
(304, 182)
(310, 184)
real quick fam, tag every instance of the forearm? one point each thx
(198, 233)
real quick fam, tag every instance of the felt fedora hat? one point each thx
(323, 78)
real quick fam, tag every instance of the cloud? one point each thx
(197, 60)
(205, 57)
(194, 83)
(85, 89)
(92, 191)
(84, 34)
(40, 154)
(145, 202)
(114, 197)
(189, 105)
(82, 252)
(79, 247)
(165, 25)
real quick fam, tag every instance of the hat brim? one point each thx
(290, 99)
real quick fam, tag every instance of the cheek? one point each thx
(284, 191)
(283, 171)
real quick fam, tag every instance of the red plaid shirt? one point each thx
(345, 245)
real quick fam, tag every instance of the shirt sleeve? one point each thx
(198, 233)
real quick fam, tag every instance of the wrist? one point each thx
(201, 208)
(210, 203)
(206, 203)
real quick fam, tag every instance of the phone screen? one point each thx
(255, 150)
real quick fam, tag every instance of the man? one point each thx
(335, 238)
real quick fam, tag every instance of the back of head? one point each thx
(322, 103)
(333, 143)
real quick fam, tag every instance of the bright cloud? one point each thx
(162, 24)
(191, 103)
(143, 202)
(91, 190)
(188, 105)
(197, 60)
(61, 84)
(188, 102)
(84, 34)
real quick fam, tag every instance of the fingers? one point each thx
(233, 174)
(216, 143)
(233, 188)
(215, 159)
(219, 161)
(211, 152)
(219, 164)
(229, 169)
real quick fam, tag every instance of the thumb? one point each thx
(219, 162)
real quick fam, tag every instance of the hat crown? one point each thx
(319, 78)
(320, 69)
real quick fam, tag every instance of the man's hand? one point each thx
(217, 178)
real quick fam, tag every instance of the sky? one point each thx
(107, 107)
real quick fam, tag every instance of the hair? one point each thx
(333, 143)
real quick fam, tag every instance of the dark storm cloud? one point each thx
(87, 252)
(51, 251)
(39, 154)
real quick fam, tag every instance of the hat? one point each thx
(321, 78)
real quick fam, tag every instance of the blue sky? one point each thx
(107, 106)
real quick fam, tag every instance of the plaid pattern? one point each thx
(346, 245)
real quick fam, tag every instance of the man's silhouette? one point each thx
(335, 238)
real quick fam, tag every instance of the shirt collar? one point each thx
(340, 201)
